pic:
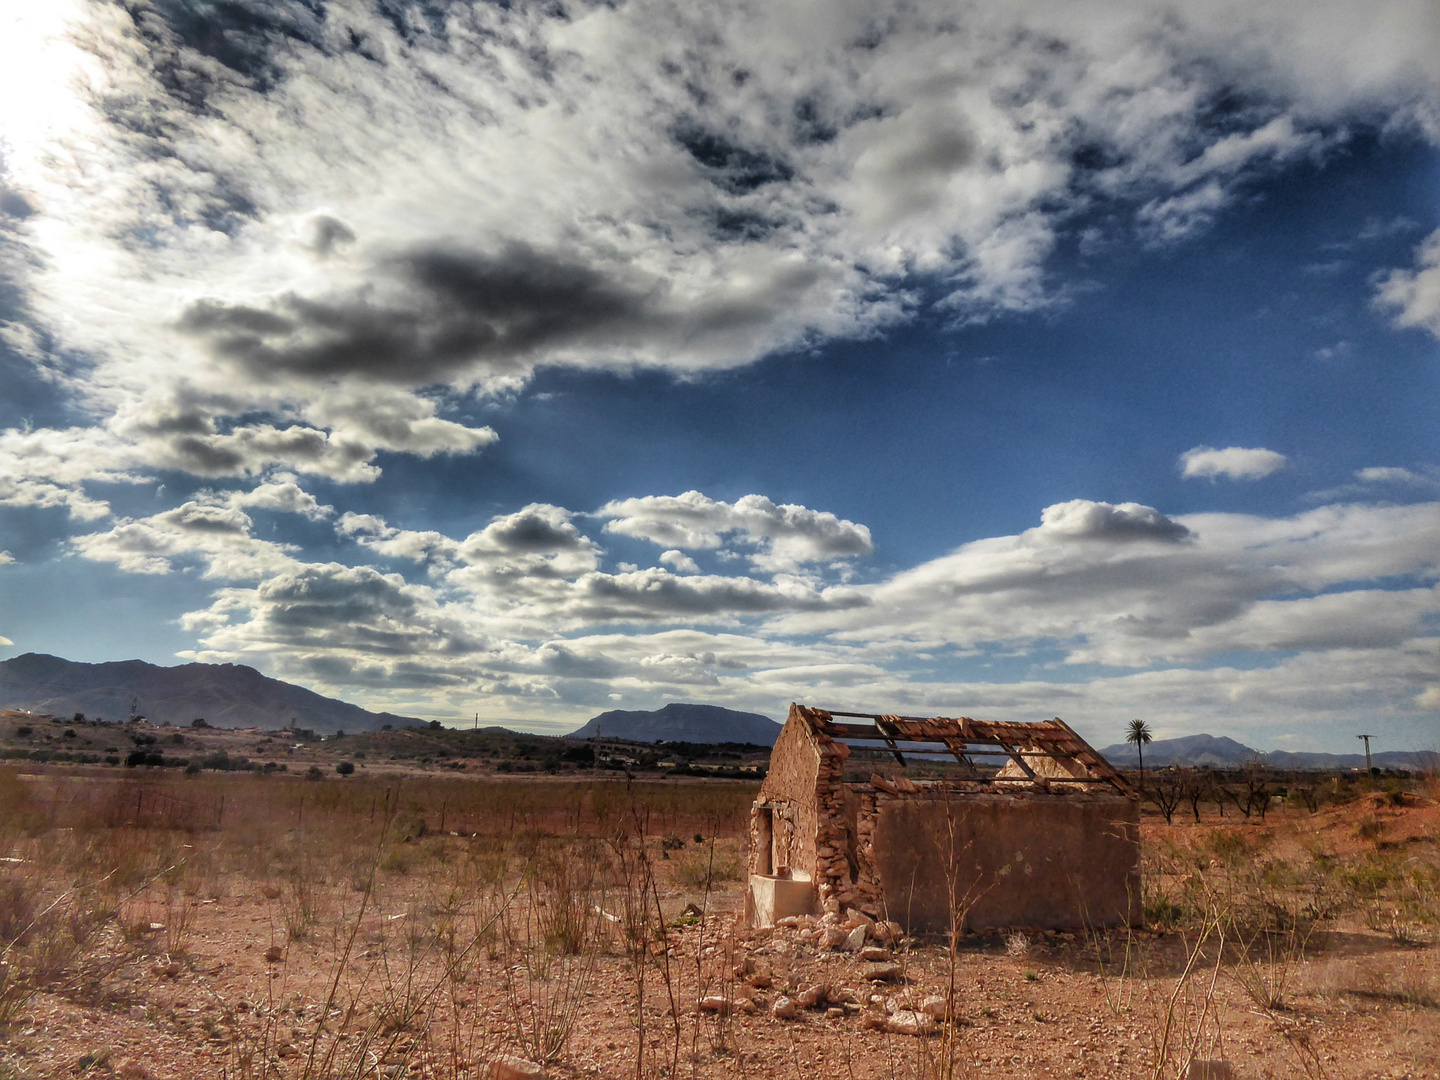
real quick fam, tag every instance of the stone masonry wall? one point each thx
(903, 852)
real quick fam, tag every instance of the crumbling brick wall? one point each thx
(787, 802)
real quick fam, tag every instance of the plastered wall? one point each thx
(1047, 861)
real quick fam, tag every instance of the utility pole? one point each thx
(1367, 738)
(477, 722)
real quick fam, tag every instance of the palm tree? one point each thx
(1139, 733)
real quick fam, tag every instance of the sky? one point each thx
(524, 361)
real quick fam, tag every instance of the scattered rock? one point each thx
(810, 996)
(886, 932)
(715, 1003)
(833, 937)
(784, 1009)
(510, 1067)
(909, 1022)
(855, 940)
(835, 1012)
(760, 980)
(883, 972)
(873, 954)
(934, 1007)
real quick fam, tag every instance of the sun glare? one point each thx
(39, 66)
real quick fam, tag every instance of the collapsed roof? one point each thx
(1046, 754)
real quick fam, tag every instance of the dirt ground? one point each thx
(1304, 945)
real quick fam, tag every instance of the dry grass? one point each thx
(427, 952)
(410, 922)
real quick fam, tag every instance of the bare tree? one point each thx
(1194, 784)
(1166, 793)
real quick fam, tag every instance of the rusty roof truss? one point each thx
(965, 739)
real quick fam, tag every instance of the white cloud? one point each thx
(783, 536)
(1384, 474)
(519, 611)
(679, 561)
(1234, 462)
(1428, 477)
(1113, 601)
(1412, 297)
(218, 536)
(6, 557)
(284, 495)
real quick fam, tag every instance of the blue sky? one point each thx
(1076, 359)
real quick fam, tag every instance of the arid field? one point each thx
(243, 925)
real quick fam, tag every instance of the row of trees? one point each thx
(1249, 789)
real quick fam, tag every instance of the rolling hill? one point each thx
(1224, 753)
(682, 723)
(224, 695)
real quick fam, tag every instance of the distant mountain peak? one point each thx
(224, 695)
(682, 722)
(1219, 751)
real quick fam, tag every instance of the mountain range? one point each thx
(677, 722)
(1220, 752)
(223, 695)
(233, 695)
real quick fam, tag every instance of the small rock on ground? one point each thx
(510, 1067)
(908, 1022)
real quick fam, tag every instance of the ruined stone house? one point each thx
(1051, 839)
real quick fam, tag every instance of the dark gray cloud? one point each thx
(453, 310)
(1082, 519)
(13, 203)
(327, 234)
(533, 531)
(322, 596)
(648, 595)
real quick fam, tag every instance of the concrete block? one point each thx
(776, 898)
